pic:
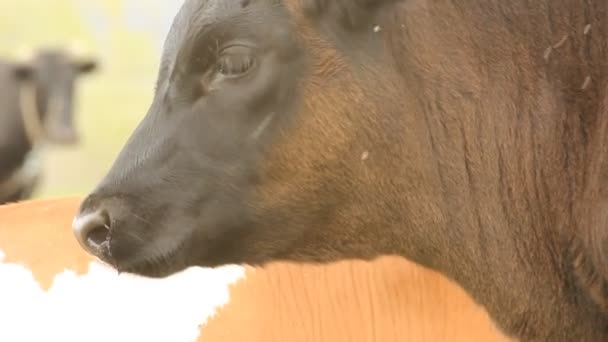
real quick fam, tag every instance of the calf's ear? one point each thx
(350, 14)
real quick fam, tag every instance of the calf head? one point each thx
(47, 92)
(266, 139)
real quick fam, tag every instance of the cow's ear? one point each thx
(85, 66)
(350, 14)
(23, 71)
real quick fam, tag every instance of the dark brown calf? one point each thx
(467, 136)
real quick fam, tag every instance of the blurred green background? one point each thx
(126, 36)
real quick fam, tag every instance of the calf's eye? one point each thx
(235, 61)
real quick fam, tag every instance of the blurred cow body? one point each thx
(36, 107)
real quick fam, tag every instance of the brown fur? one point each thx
(529, 178)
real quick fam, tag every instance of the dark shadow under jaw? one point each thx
(153, 266)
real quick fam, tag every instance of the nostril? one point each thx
(98, 235)
(92, 231)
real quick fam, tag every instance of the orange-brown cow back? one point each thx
(388, 300)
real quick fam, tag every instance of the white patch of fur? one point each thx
(104, 306)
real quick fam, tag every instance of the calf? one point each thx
(36, 106)
(470, 137)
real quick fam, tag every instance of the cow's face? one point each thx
(258, 144)
(51, 74)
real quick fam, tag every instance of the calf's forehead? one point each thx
(196, 17)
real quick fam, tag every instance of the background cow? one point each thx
(36, 107)
(468, 136)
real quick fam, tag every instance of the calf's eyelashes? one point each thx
(235, 61)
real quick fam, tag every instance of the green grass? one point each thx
(110, 103)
